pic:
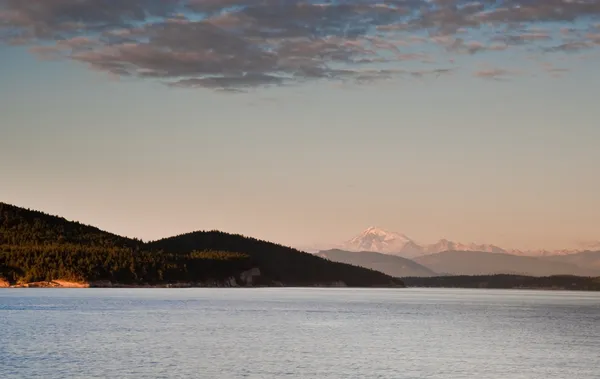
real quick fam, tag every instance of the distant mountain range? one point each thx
(386, 242)
(485, 263)
(397, 255)
(470, 263)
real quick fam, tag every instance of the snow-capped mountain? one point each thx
(382, 241)
(386, 242)
(583, 246)
(445, 245)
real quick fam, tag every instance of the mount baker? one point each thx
(382, 241)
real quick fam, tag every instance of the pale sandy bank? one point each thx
(52, 284)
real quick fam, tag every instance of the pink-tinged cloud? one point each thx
(247, 43)
(495, 73)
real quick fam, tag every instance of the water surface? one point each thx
(298, 333)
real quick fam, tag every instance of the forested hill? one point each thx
(19, 226)
(280, 263)
(35, 246)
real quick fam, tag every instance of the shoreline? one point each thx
(208, 284)
(81, 285)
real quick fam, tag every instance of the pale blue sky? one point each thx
(513, 162)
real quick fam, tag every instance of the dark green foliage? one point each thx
(566, 282)
(19, 226)
(37, 247)
(277, 262)
(119, 265)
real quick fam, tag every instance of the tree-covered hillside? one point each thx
(35, 246)
(280, 263)
(19, 226)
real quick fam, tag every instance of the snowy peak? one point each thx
(382, 241)
(374, 233)
(445, 245)
(379, 240)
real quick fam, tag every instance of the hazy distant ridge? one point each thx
(382, 241)
(484, 263)
(388, 264)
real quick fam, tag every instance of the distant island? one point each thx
(501, 281)
(41, 250)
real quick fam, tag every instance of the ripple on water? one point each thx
(298, 333)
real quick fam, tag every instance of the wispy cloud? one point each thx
(553, 70)
(240, 44)
(594, 38)
(571, 46)
(495, 73)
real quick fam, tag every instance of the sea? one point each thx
(273, 333)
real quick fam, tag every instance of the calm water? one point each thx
(298, 333)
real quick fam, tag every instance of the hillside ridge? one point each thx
(39, 248)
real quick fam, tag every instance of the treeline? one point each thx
(35, 246)
(34, 263)
(277, 262)
(19, 226)
(558, 282)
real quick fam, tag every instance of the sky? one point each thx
(306, 122)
